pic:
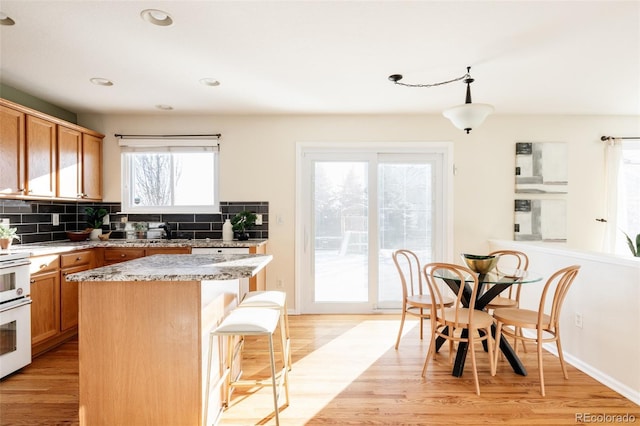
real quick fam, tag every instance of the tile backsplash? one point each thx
(35, 219)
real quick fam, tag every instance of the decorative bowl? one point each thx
(78, 235)
(479, 263)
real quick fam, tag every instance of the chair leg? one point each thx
(404, 314)
(273, 379)
(518, 332)
(430, 353)
(498, 338)
(285, 340)
(490, 346)
(560, 356)
(540, 370)
(473, 362)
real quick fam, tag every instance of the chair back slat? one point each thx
(558, 284)
(512, 259)
(466, 278)
(408, 266)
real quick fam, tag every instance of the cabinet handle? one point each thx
(32, 281)
(78, 258)
(123, 255)
(44, 265)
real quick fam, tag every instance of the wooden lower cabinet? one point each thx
(45, 307)
(54, 306)
(259, 281)
(70, 263)
(113, 255)
(168, 250)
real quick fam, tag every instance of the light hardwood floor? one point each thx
(346, 372)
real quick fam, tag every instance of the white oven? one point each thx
(14, 276)
(15, 312)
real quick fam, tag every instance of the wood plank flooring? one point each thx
(346, 372)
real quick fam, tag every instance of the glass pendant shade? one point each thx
(468, 116)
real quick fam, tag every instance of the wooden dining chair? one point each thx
(545, 321)
(508, 261)
(446, 321)
(416, 300)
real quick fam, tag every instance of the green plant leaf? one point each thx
(630, 244)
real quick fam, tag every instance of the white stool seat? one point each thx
(275, 300)
(248, 321)
(264, 299)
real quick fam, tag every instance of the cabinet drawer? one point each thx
(76, 258)
(120, 255)
(168, 250)
(42, 264)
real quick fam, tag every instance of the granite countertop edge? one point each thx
(57, 247)
(178, 267)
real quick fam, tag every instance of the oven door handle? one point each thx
(15, 304)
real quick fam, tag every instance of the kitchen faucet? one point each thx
(167, 230)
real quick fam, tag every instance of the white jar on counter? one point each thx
(227, 231)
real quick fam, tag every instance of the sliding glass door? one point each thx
(356, 208)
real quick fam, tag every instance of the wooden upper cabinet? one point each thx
(91, 167)
(41, 157)
(11, 151)
(69, 163)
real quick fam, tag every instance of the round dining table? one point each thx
(498, 281)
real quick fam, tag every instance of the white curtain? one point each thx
(613, 198)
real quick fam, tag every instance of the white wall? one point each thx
(258, 163)
(607, 294)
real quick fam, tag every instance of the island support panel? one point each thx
(143, 349)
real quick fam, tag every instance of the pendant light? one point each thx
(466, 116)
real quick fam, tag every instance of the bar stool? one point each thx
(275, 300)
(239, 323)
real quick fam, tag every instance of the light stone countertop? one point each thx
(178, 267)
(56, 247)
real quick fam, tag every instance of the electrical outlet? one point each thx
(578, 320)
(258, 219)
(106, 220)
(5, 221)
(55, 219)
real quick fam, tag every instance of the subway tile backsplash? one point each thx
(34, 219)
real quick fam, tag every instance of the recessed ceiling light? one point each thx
(209, 82)
(5, 20)
(156, 17)
(164, 107)
(101, 81)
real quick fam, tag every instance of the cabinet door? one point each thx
(11, 151)
(69, 150)
(45, 306)
(69, 299)
(41, 157)
(91, 167)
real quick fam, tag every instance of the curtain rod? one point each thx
(214, 135)
(608, 138)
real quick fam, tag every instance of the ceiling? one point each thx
(321, 57)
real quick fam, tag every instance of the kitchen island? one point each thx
(143, 335)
